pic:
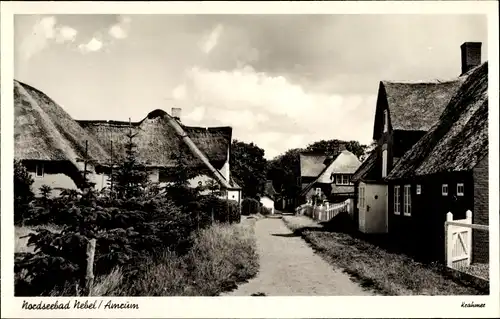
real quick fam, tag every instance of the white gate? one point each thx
(458, 240)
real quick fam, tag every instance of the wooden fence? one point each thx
(325, 211)
(458, 240)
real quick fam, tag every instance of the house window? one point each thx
(361, 197)
(386, 121)
(384, 163)
(397, 203)
(460, 189)
(444, 189)
(343, 179)
(419, 189)
(39, 170)
(407, 201)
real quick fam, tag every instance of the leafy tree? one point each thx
(331, 147)
(248, 166)
(23, 194)
(284, 171)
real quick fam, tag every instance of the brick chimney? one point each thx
(471, 55)
(176, 113)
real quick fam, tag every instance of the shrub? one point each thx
(250, 206)
(221, 257)
(221, 210)
(265, 211)
(23, 194)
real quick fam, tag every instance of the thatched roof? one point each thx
(158, 142)
(44, 131)
(344, 163)
(365, 168)
(459, 140)
(312, 164)
(413, 106)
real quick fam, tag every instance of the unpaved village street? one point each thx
(289, 267)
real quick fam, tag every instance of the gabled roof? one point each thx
(413, 106)
(365, 168)
(345, 163)
(312, 164)
(44, 131)
(459, 140)
(158, 142)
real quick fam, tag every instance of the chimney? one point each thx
(176, 113)
(471, 55)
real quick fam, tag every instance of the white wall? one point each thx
(268, 203)
(373, 216)
(53, 180)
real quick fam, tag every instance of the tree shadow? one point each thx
(286, 235)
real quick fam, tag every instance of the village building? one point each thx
(52, 146)
(268, 196)
(405, 111)
(445, 171)
(333, 183)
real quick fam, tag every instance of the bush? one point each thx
(221, 210)
(221, 257)
(23, 194)
(265, 211)
(250, 206)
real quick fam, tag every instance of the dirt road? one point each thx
(289, 267)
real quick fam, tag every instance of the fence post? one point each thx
(448, 234)
(89, 275)
(468, 217)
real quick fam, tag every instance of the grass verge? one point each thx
(389, 273)
(222, 257)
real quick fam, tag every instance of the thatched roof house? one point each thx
(459, 139)
(43, 131)
(341, 168)
(161, 139)
(413, 106)
(158, 142)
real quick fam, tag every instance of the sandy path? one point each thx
(289, 267)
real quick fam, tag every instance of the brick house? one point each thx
(445, 171)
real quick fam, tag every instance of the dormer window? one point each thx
(386, 121)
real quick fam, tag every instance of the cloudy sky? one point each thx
(280, 81)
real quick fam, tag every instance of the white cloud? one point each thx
(121, 29)
(179, 93)
(210, 42)
(65, 34)
(93, 45)
(45, 30)
(265, 109)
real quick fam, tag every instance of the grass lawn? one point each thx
(390, 273)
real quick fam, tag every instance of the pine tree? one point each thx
(129, 178)
(23, 193)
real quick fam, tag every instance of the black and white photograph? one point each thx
(251, 155)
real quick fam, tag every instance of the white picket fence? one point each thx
(325, 211)
(458, 240)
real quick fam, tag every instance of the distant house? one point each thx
(268, 197)
(405, 111)
(334, 183)
(51, 145)
(445, 171)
